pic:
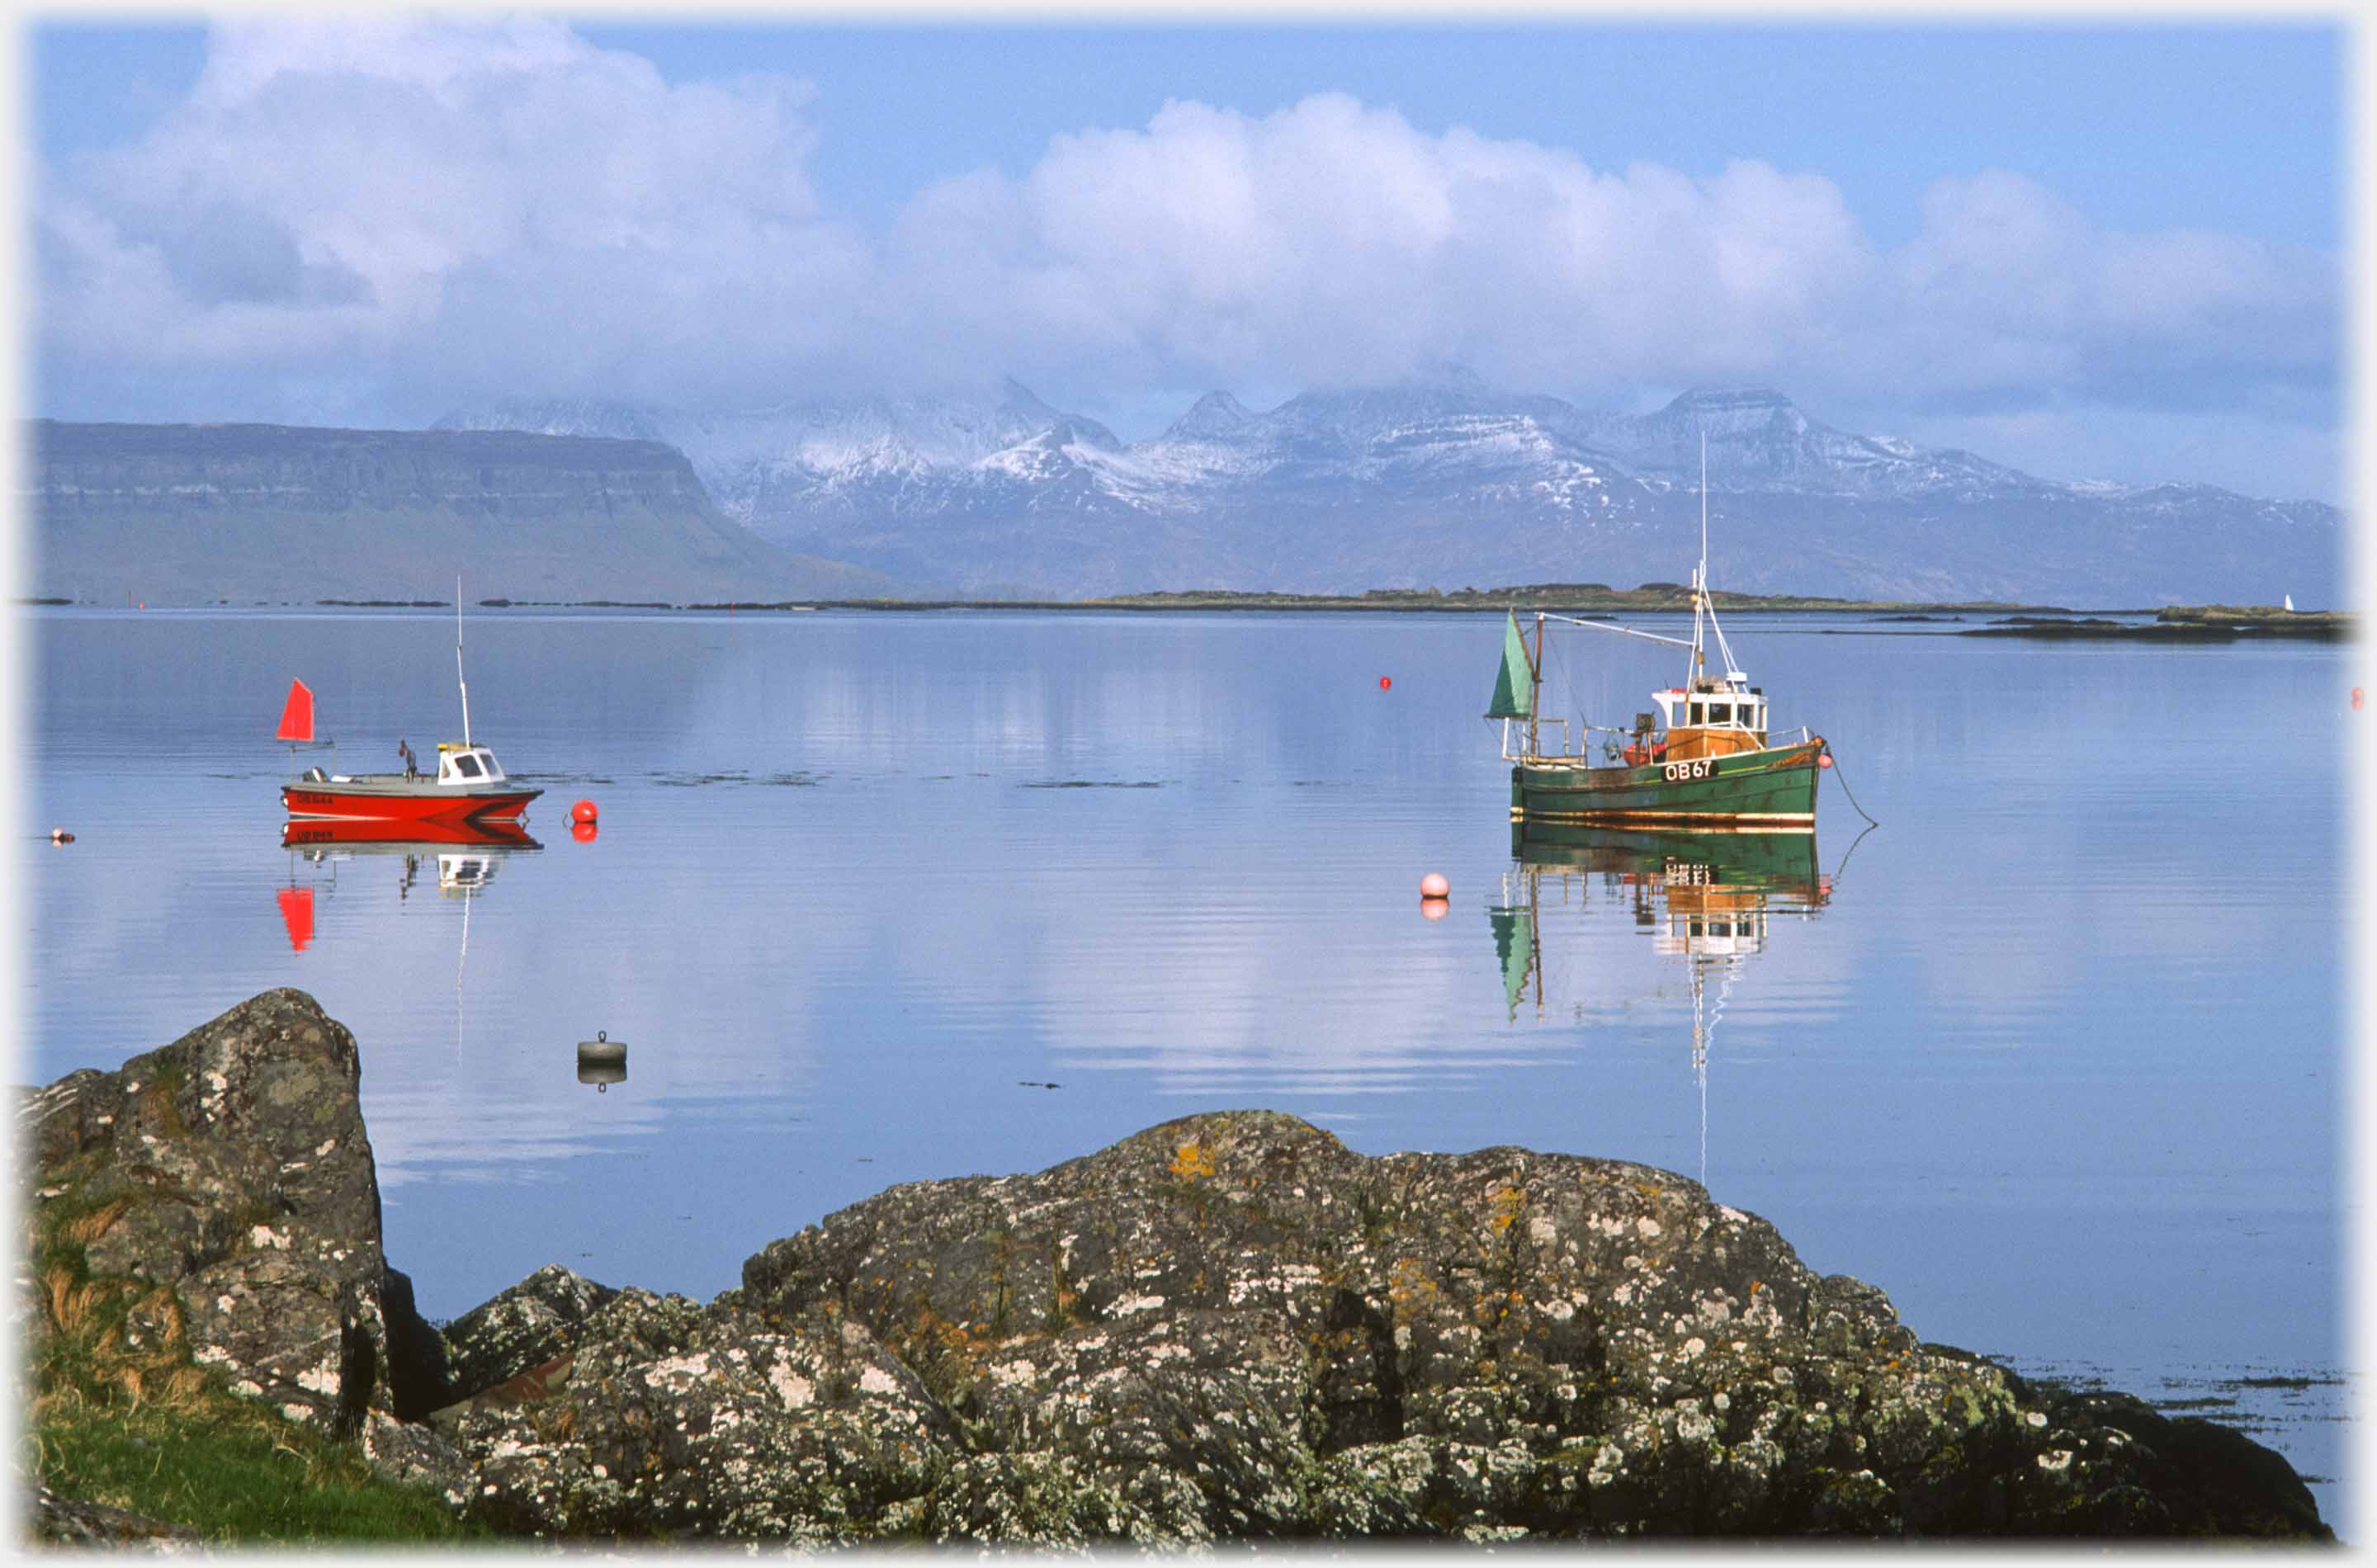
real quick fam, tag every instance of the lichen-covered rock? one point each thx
(1227, 1327)
(524, 1326)
(61, 1521)
(232, 1165)
(671, 1419)
(1473, 1345)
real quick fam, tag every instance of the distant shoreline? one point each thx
(2192, 623)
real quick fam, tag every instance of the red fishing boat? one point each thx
(469, 786)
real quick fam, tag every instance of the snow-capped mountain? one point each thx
(1450, 484)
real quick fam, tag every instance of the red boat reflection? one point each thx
(350, 833)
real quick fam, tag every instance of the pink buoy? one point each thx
(582, 813)
(2355, 700)
(1435, 908)
(1433, 885)
(1824, 760)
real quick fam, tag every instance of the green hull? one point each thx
(1768, 791)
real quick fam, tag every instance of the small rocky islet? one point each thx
(1227, 1327)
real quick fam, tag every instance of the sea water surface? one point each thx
(2054, 1056)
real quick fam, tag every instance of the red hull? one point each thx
(445, 806)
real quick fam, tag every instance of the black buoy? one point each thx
(602, 1060)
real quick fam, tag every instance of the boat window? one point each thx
(1720, 712)
(1696, 711)
(467, 766)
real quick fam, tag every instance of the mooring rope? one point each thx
(1846, 789)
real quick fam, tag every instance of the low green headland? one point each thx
(2184, 624)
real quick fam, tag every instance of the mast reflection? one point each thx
(1707, 899)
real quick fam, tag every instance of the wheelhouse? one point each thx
(466, 765)
(1730, 704)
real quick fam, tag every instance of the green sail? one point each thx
(1514, 943)
(1514, 683)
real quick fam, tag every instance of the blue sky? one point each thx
(2105, 251)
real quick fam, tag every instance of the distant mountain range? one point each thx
(182, 514)
(1449, 485)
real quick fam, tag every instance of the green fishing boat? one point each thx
(1707, 760)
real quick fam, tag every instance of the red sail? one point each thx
(297, 717)
(297, 914)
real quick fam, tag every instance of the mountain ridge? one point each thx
(1449, 481)
(169, 514)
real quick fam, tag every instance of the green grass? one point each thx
(238, 1476)
(121, 1416)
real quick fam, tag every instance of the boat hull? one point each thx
(1770, 790)
(398, 799)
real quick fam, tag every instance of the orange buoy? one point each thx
(582, 813)
(1433, 885)
(1824, 760)
(583, 832)
(1435, 908)
(2356, 699)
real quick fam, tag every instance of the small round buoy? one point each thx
(583, 832)
(2356, 699)
(1433, 885)
(1385, 683)
(1435, 908)
(1824, 760)
(59, 835)
(582, 813)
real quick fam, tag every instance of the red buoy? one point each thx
(582, 813)
(583, 832)
(1384, 683)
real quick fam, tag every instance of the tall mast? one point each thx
(457, 660)
(1699, 572)
(1535, 689)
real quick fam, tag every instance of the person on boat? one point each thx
(412, 767)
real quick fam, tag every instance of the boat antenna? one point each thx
(458, 659)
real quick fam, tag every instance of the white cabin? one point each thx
(467, 765)
(1735, 704)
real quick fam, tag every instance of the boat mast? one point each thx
(457, 660)
(1699, 572)
(1535, 687)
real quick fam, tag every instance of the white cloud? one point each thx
(455, 210)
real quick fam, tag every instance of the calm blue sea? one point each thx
(2054, 1056)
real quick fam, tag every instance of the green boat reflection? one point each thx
(1706, 899)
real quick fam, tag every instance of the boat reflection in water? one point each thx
(465, 854)
(1705, 898)
(465, 857)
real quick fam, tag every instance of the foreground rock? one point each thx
(1227, 1326)
(232, 1170)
